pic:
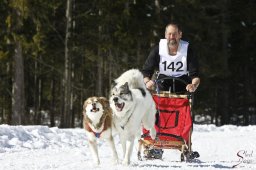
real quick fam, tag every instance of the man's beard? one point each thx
(172, 42)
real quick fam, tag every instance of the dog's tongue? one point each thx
(119, 106)
(94, 109)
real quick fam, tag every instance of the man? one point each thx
(172, 57)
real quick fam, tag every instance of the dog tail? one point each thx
(134, 78)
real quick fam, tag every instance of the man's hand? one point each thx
(191, 87)
(149, 84)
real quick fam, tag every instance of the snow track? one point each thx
(43, 148)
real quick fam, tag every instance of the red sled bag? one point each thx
(173, 118)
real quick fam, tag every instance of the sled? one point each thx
(173, 126)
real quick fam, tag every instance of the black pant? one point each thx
(173, 84)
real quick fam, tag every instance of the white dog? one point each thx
(133, 107)
(97, 124)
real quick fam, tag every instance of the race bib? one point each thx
(175, 66)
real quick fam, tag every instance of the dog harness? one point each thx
(123, 126)
(97, 135)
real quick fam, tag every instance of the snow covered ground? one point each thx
(44, 148)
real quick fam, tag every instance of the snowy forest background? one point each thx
(56, 53)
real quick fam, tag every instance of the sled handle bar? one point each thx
(173, 80)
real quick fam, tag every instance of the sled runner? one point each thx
(173, 126)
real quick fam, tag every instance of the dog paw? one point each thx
(125, 162)
(115, 161)
(153, 133)
(96, 162)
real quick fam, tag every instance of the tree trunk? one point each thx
(157, 5)
(110, 68)
(18, 93)
(53, 108)
(37, 93)
(158, 20)
(100, 72)
(99, 62)
(225, 104)
(67, 75)
(72, 120)
(9, 90)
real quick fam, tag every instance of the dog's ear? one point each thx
(104, 101)
(85, 105)
(113, 83)
(126, 87)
